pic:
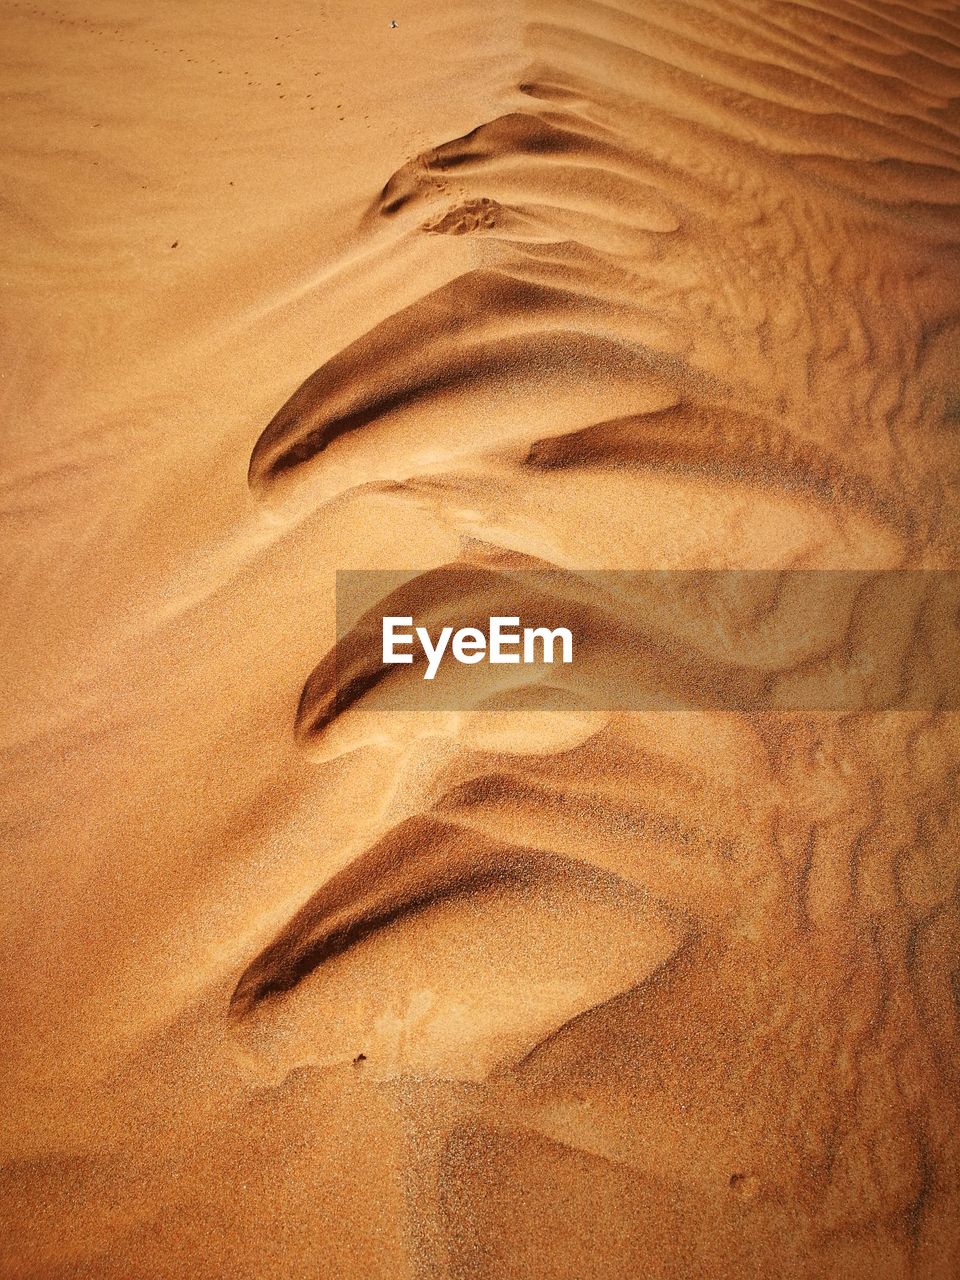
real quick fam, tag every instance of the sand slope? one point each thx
(299, 988)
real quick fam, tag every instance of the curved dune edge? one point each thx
(569, 207)
(392, 894)
(303, 985)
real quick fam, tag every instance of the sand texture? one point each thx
(300, 985)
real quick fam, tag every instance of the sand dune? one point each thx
(489, 301)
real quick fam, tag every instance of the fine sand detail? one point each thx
(302, 984)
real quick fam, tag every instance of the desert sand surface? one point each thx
(299, 987)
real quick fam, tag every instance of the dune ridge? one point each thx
(586, 231)
(301, 984)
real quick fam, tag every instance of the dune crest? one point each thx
(305, 982)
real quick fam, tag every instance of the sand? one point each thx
(302, 989)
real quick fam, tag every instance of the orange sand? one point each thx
(624, 285)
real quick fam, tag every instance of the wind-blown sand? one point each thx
(299, 989)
